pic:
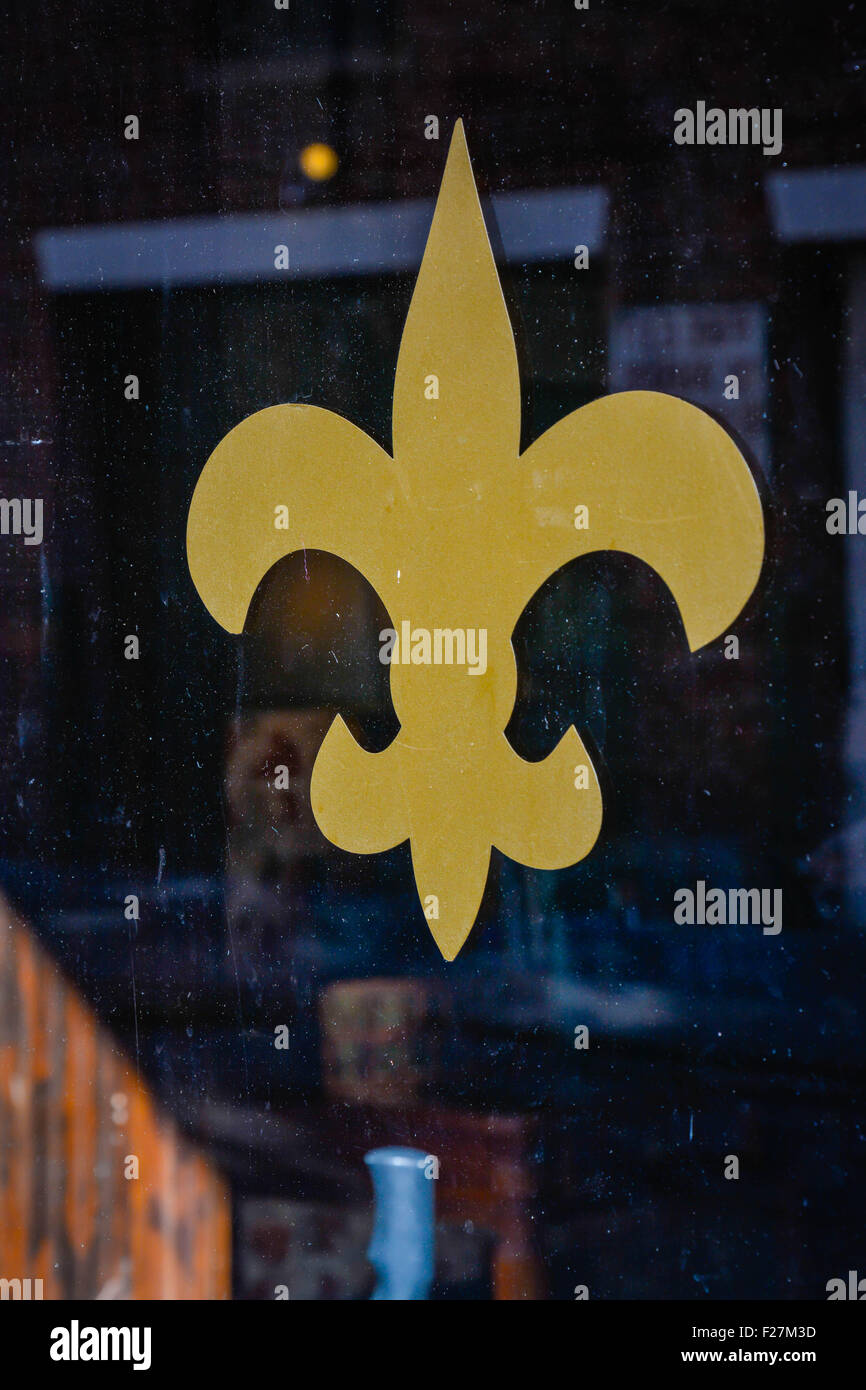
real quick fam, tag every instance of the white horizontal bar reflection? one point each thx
(364, 239)
(818, 204)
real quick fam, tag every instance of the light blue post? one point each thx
(401, 1247)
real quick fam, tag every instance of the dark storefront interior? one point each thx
(561, 1167)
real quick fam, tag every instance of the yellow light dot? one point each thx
(318, 162)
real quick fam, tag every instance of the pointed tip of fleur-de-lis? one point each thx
(457, 391)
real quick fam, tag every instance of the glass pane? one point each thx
(638, 1077)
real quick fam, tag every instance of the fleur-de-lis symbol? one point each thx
(458, 530)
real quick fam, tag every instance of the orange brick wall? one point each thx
(71, 1110)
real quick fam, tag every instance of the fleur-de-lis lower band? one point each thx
(456, 532)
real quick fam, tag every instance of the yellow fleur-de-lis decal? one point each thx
(457, 532)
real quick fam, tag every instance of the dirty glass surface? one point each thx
(620, 1101)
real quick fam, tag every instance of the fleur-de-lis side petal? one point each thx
(458, 531)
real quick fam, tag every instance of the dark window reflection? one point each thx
(157, 778)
